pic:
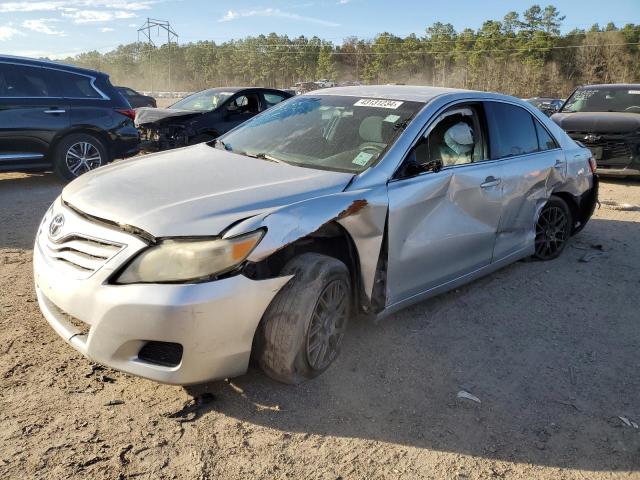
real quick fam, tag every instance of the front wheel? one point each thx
(553, 229)
(77, 154)
(302, 330)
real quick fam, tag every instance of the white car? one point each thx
(179, 266)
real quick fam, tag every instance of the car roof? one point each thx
(409, 93)
(48, 63)
(237, 89)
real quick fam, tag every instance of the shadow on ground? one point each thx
(24, 199)
(550, 348)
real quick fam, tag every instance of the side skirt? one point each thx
(481, 272)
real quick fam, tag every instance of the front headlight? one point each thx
(181, 260)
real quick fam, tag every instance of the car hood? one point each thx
(197, 190)
(598, 122)
(147, 115)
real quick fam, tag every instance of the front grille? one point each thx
(82, 254)
(609, 152)
(611, 148)
(167, 354)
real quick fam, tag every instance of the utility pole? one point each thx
(172, 37)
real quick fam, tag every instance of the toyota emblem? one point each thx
(56, 224)
(591, 138)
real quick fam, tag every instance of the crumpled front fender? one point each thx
(362, 213)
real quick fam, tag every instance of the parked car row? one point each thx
(73, 120)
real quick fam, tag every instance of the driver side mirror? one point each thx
(412, 167)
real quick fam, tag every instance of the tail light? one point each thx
(127, 112)
(592, 165)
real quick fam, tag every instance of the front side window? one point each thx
(245, 104)
(205, 101)
(511, 130)
(24, 81)
(604, 99)
(328, 132)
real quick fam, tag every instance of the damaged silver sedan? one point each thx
(182, 265)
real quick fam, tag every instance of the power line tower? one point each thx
(158, 25)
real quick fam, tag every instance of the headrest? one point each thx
(371, 129)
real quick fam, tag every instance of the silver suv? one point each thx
(180, 266)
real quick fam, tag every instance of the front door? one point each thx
(239, 109)
(442, 224)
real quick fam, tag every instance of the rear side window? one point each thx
(23, 81)
(77, 86)
(511, 130)
(545, 141)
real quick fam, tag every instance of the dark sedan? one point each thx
(203, 116)
(60, 116)
(137, 99)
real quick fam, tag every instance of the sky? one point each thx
(60, 28)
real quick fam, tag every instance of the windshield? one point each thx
(204, 101)
(604, 100)
(347, 134)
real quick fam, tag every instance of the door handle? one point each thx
(490, 182)
(559, 164)
(54, 110)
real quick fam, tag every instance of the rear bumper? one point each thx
(125, 142)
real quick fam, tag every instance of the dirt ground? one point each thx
(552, 350)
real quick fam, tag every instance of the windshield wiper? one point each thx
(264, 156)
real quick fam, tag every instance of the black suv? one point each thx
(62, 116)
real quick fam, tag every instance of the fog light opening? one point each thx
(166, 354)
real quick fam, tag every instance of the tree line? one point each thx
(522, 54)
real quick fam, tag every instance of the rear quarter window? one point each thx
(77, 86)
(511, 130)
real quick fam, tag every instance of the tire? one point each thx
(298, 322)
(553, 229)
(78, 153)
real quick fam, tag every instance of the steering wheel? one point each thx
(372, 148)
(633, 108)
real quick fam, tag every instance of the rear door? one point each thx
(442, 225)
(32, 112)
(532, 165)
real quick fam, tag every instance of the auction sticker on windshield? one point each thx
(372, 102)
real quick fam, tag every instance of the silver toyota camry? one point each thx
(354, 201)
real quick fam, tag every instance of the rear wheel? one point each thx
(302, 330)
(553, 229)
(77, 154)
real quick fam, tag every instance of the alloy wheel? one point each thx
(82, 157)
(551, 232)
(328, 324)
